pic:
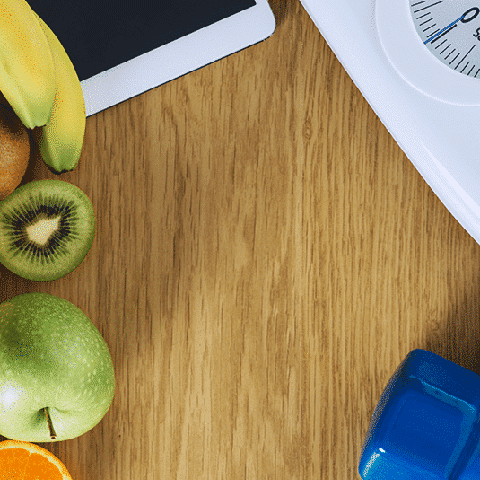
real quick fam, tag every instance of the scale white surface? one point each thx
(431, 110)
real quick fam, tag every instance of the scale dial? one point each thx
(409, 32)
(450, 29)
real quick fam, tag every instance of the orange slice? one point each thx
(27, 461)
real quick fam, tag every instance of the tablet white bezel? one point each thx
(179, 57)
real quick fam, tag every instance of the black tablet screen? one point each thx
(100, 34)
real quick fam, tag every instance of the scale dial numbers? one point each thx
(450, 29)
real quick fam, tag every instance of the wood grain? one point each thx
(265, 257)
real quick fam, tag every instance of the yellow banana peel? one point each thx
(61, 139)
(27, 75)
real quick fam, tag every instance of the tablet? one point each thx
(121, 49)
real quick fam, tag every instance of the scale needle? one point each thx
(443, 30)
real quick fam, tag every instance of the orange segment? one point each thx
(27, 461)
(12, 463)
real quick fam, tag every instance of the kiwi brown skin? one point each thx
(15, 150)
(62, 220)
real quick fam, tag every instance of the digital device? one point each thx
(121, 49)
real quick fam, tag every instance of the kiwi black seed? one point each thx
(46, 229)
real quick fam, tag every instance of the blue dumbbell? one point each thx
(426, 424)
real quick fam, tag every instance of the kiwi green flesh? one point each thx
(46, 229)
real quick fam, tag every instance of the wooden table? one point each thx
(265, 257)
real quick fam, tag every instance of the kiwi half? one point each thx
(46, 229)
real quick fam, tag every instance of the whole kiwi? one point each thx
(46, 229)
(15, 149)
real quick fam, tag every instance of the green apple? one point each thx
(56, 374)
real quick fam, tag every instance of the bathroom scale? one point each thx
(417, 63)
(123, 48)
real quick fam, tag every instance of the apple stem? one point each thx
(51, 430)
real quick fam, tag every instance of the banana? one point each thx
(61, 139)
(27, 75)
